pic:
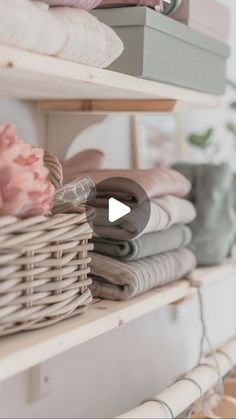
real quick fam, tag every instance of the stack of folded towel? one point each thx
(127, 261)
(69, 33)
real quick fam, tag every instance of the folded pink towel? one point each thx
(122, 3)
(155, 182)
(80, 4)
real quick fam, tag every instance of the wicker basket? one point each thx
(43, 270)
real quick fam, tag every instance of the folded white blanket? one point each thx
(25, 25)
(89, 41)
(69, 33)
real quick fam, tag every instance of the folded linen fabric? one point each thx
(88, 41)
(155, 182)
(83, 161)
(164, 212)
(77, 36)
(215, 225)
(176, 237)
(22, 24)
(122, 3)
(116, 280)
(81, 4)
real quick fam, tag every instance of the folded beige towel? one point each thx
(155, 183)
(115, 280)
(164, 212)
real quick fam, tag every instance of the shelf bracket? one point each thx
(62, 130)
(39, 382)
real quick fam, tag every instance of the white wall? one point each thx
(198, 121)
(30, 124)
(115, 372)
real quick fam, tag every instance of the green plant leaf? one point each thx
(231, 127)
(233, 105)
(201, 140)
(231, 83)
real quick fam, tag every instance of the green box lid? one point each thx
(145, 16)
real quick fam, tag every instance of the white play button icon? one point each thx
(117, 210)
(121, 205)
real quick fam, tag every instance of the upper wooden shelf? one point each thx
(27, 75)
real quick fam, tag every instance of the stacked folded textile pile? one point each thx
(66, 32)
(128, 261)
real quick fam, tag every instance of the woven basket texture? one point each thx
(55, 169)
(43, 270)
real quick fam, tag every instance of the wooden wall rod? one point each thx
(183, 394)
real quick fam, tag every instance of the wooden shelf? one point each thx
(22, 351)
(211, 275)
(27, 75)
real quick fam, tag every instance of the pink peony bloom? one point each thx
(24, 188)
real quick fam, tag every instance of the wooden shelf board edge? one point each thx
(28, 75)
(107, 106)
(210, 275)
(22, 351)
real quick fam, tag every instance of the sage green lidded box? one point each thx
(158, 48)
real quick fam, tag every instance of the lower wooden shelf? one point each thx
(22, 351)
(213, 274)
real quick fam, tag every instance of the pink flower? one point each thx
(24, 188)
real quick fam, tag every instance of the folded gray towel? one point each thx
(164, 212)
(150, 244)
(214, 227)
(116, 280)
